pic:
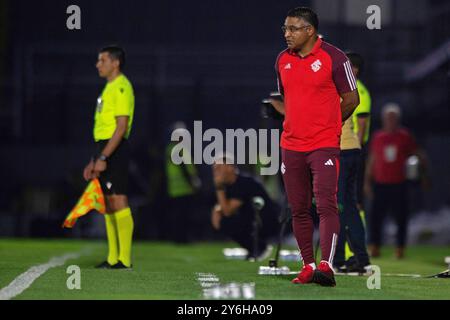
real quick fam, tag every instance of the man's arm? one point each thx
(363, 120)
(350, 100)
(227, 206)
(423, 159)
(113, 143)
(345, 83)
(119, 133)
(363, 112)
(278, 105)
(216, 217)
(424, 167)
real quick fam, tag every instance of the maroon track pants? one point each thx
(305, 173)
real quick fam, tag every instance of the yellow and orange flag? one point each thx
(91, 199)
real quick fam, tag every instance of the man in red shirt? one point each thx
(389, 150)
(319, 91)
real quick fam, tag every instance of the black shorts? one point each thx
(115, 179)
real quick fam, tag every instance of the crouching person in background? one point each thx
(242, 203)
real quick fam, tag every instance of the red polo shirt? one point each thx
(311, 86)
(390, 151)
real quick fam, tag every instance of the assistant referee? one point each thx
(112, 127)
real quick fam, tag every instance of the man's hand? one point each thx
(99, 167)
(216, 217)
(278, 105)
(88, 172)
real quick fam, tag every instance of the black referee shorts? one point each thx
(114, 180)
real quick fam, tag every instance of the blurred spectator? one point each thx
(352, 228)
(385, 179)
(183, 184)
(355, 133)
(361, 121)
(234, 213)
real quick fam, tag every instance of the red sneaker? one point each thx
(306, 275)
(324, 275)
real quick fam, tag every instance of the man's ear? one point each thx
(116, 63)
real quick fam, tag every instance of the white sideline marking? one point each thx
(207, 279)
(213, 289)
(402, 275)
(356, 274)
(24, 281)
(408, 275)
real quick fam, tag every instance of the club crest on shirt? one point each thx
(390, 153)
(99, 104)
(315, 66)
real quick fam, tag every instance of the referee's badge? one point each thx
(99, 104)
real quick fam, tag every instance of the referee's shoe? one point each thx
(103, 265)
(120, 265)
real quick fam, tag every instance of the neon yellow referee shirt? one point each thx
(117, 99)
(364, 107)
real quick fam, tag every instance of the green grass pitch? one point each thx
(168, 271)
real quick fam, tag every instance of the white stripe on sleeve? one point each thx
(349, 74)
(348, 80)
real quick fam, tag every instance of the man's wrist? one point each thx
(102, 157)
